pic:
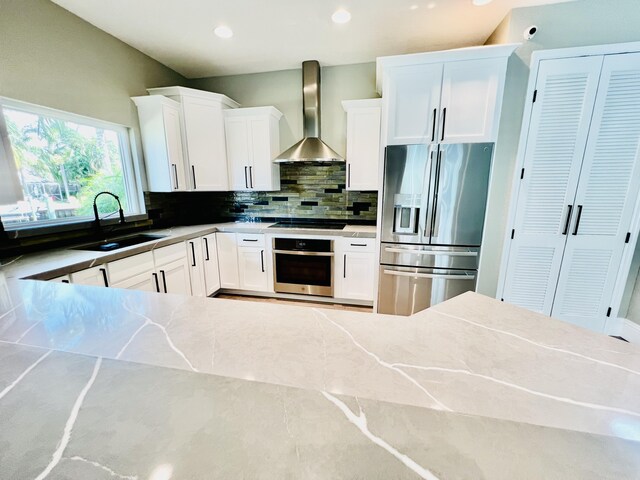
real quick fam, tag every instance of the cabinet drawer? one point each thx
(169, 254)
(358, 244)
(250, 239)
(131, 266)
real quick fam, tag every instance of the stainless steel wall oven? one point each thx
(303, 266)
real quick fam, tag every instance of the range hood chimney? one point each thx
(310, 148)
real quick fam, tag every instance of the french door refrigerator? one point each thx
(433, 208)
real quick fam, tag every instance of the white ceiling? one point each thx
(279, 34)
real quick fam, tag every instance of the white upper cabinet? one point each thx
(253, 141)
(412, 97)
(452, 96)
(469, 101)
(363, 143)
(203, 136)
(161, 130)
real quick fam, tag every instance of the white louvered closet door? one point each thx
(606, 197)
(560, 118)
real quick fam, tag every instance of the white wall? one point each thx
(283, 90)
(580, 23)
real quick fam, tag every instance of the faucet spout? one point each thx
(95, 208)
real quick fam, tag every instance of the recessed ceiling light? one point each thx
(223, 32)
(480, 3)
(431, 5)
(341, 16)
(413, 7)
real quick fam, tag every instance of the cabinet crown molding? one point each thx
(147, 100)
(177, 91)
(248, 111)
(455, 55)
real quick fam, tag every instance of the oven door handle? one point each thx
(311, 254)
(429, 275)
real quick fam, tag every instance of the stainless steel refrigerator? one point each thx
(433, 208)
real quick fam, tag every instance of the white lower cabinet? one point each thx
(228, 260)
(172, 269)
(95, 276)
(146, 282)
(174, 277)
(211, 268)
(355, 270)
(252, 268)
(61, 279)
(135, 273)
(196, 267)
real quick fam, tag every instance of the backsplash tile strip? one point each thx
(308, 191)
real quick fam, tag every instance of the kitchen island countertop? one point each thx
(97, 383)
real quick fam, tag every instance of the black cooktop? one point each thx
(311, 225)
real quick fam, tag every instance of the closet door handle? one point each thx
(344, 266)
(246, 182)
(193, 172)
(164, 281)
(206, 248)
(433, 128)
(566, 225)
(175, 174)
(193, 253)
(349, 175)
(251, 176)
(579, 215)
(104, 277)
(444, 122)
(155, 277)
(262, 260)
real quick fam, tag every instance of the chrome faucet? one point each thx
(95, 209)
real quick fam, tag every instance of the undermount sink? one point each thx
(117, 243)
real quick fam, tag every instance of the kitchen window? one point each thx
(54, 163)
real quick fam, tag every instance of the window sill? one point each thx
(82, 225)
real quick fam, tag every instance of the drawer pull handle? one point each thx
(104, 277)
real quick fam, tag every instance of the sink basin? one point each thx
(118, 243)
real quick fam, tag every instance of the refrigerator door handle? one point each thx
(430, 252)
(433, 131)
(429, 186)
(436, 191)
(439, 276)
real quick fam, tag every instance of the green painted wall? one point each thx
(283, 90)
(579, 23)
(50, 57)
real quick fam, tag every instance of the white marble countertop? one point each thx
(61, 261)
(471, 388)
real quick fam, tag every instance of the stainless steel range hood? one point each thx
(310, 148)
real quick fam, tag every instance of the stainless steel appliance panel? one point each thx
(405, 291)
(429, 256)
(303, 266)
(406, 193)
(460, 196)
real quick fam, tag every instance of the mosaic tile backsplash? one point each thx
(308, 191)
